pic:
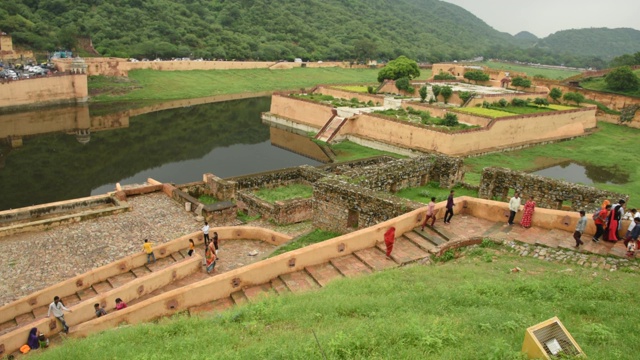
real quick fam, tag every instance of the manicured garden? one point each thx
(472, 307)
(491, 113)
(449, 122)
(335, 102)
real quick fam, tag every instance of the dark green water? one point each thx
(177, 145)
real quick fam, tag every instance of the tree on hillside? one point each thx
(622, 79)
(446, 93)
(398, 68)
(574, 96)
(436, 91)
(521, 82)
(555, 94)
(476, 75)
(626, 60)
(364, 49)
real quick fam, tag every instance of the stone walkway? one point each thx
(31, 261)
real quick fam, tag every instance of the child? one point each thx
(632, 241)
(192, 247)
(631, 249)
(100, 311)
(149, 251)
(44, 342)
(582, 224)
(120, 304)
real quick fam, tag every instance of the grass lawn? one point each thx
(207, 199)
(356, 88)
(604, 148)
(313, 237)
(600, 85)
(557, 74)
(524, 110)
(473, 307)
(280, 193)
(424, 193)
(492, 113)
(561, 107)
(171, 85)
(348, 151)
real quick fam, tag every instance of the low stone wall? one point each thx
(281, 212)
(46, 216)
(282, 177)
(43, 91)
(342, 167)
(343, 207)
(547, 192)
(399, 174)
(221, 213)
(304, 111)
(219, 188)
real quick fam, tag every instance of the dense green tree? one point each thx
(476, 75)
(446, 93)
(436, 89)
(399, 68)
(364, 49)
(622, 79)
(450, 119)
(555, 94)
(541, 101)
(423, 93)
(521, 82)
(574, 96)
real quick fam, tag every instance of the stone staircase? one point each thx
(330, 129)
(92, 290)
(412, 246)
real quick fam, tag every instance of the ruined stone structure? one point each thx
(7, 52)
(548, 193)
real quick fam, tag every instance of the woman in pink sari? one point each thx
(527, 214)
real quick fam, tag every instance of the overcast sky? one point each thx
(543, 17)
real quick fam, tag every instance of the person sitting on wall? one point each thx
(120, 304)
(100, 311)
(32, 340)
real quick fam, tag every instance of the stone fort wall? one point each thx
(547, 193)
(50, 90)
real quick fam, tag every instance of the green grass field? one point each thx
(599, 84)
(473, 307)
(492, 113)
(603, 148)
(424, 193)
(556, 74)
(171, 85)
(280, 193)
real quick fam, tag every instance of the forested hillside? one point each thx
(425, 30)
(601, 42)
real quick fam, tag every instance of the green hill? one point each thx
(428, 30)
(600, 42)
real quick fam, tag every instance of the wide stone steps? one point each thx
(408, 248)
(91, 291)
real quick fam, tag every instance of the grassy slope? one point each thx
(473, 308)
(600, 85)
(313, 237)
(347, 151)
(604, 148)
(532, 71)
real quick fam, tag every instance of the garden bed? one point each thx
(335, 102)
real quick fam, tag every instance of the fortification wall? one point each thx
(302, 111)
(66, 89)
(548, 193)
(343, 94)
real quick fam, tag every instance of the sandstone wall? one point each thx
(343, 94)
(64, 89)
(303, 111)
(547, 192)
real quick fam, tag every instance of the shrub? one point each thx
(425, 116)
(465, 96)
(541, 102)
(555, 94)
(622, 79)
(521, 82)
(423, 93)
(446, 92)
(574, 96)
(370, 103)
(436, 90)
(486, 104)
(519, 102)
(403, 84)
(444, 76)
(503, 102)
(370, 89)
(355, 100)
(432, 100)
(450, 119)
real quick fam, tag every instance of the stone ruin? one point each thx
(548, 193)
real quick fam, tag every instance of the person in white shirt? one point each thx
(514, 207)
(431, 213)
(205, 231)
(56, 307)
(580, 227)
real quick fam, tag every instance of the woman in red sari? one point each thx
(614, 220)
(527, 214)
(389, 239)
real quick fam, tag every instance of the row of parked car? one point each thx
(24, 72)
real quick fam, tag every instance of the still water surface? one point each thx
(586, 174)
(176, 145)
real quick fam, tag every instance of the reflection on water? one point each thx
(66, 153)
(585, 174)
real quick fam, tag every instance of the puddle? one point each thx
(585, 173)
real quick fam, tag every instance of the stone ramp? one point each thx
(92, 290)
(331, 128)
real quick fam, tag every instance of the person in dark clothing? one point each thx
(449, 213)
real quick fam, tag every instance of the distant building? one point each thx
(8, 53)
(61, 55)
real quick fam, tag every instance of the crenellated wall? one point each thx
(548, 193)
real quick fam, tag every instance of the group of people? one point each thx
(608, 221)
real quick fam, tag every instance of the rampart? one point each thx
(42, 91)
(548, 193)
(121, 67)
(498, 134)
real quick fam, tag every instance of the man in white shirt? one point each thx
(514, 207)
(205, 231)
(56, 307)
